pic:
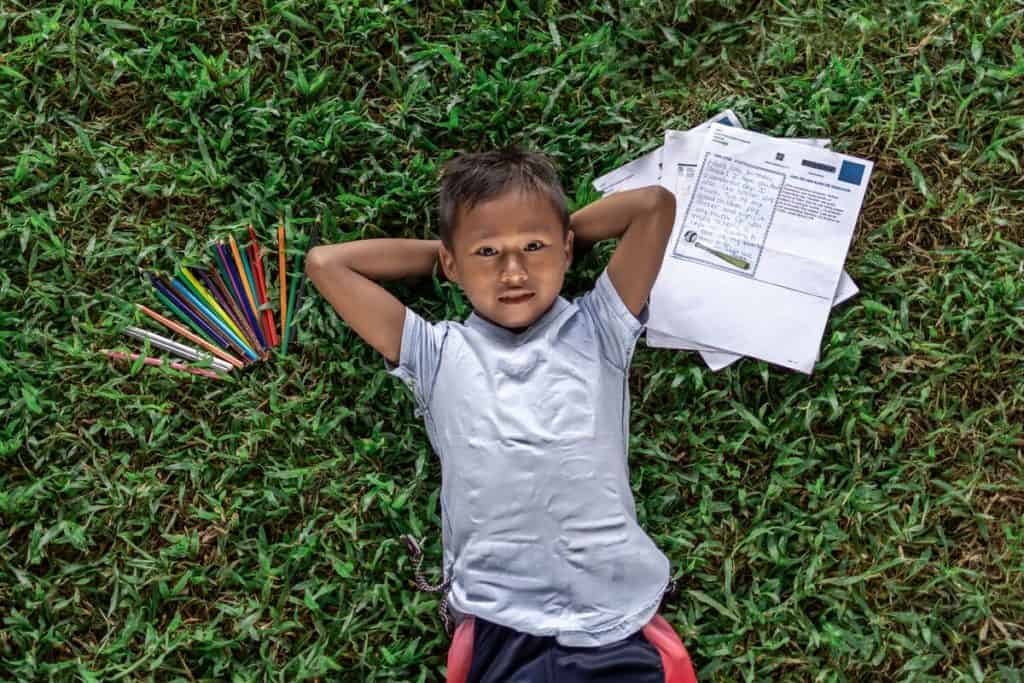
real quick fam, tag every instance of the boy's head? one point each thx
(505, 233)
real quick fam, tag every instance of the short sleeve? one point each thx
(419, 355)
(616, 327)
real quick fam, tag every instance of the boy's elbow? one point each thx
(663, 205)
(662, 199)
(317, 261)
(314, 262)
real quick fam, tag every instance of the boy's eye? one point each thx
(534, 246)
(486, 251)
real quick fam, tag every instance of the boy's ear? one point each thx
(448, 264)
(569, 236)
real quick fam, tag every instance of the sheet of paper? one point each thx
(646, 170)
(716, 359)
(755, 261)
(640, 172)
(681, 153)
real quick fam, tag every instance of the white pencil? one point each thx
(171, 346)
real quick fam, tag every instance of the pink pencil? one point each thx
(147, 360)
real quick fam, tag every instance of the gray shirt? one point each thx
(539, 524)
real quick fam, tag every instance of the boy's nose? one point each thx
(512, 270)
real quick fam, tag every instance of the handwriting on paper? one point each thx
(729, 214)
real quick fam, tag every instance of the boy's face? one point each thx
(509, 256)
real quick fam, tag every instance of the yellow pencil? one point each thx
(212, 301)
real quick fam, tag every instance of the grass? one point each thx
(861, 524)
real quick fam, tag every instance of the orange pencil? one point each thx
(282, 275)
(261, 284)
(171, 325)
(241, 276)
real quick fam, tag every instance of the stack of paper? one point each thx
(755, 260)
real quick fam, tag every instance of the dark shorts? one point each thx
(484, 652)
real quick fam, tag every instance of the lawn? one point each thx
(862, 524)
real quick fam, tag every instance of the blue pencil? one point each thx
(252, 288)
(203, 308)
(232, 292)
(243, 300)
(178, 307)
(227, 302)
(197, 304)
(168, 292)
(204, 316)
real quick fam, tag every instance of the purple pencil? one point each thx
(226, 301)
(183, 311)
(227, 263)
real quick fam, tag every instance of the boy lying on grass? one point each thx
(547, 573)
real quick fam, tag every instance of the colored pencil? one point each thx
(199, 308)
(171, 346)
(175, 327)
(215, 285)
(243, 277)
(227, 304)
(147, 360)
(202, 309)
(258, 291)
(246, 276)
(295, 298)
(261, 281)
(199, 315)
(185, 313)
(227, 266)
(291, 314)
(225, 289)
(182, 303)
(314, 240)
(208, 298)
(250, 271)
(282, 276)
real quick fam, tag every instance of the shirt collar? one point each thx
(504, 334)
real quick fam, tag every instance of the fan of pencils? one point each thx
(225, 308)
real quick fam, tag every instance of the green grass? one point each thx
(862, 524)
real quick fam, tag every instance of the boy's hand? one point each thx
(347, 275)
(643, 218)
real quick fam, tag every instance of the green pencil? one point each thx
(295, 299)
(252, 286)
(184, 318)
(291, 303)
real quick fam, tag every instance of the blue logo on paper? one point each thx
(724, 121)
(851, 172)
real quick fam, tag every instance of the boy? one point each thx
(526, 404)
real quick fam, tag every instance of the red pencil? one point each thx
(256, 256)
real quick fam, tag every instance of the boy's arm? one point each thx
(347, 275)
(643, 219)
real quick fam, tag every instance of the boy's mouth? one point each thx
(515, 297)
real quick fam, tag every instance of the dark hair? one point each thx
(469, 179)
